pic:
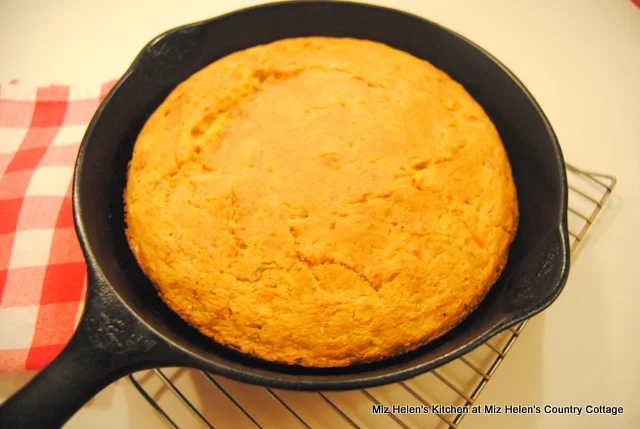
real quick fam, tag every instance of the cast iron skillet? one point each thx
(126, 327)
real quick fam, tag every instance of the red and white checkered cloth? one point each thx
(42, 270)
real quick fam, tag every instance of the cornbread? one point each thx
(321, 202)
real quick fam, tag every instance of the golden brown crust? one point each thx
(321, 202)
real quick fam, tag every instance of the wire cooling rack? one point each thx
(186, 398)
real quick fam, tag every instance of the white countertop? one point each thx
(580, 59)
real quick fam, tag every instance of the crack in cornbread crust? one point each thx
(321, 202)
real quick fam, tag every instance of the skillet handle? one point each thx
(110, 342)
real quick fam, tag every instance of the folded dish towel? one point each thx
(42, 270)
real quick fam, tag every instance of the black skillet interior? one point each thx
(538, 262)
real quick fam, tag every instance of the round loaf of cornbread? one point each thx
(321, 202)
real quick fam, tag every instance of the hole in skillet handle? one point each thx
(536, 281)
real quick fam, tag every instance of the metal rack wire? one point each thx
(186, 398)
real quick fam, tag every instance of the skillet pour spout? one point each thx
(126, 327)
